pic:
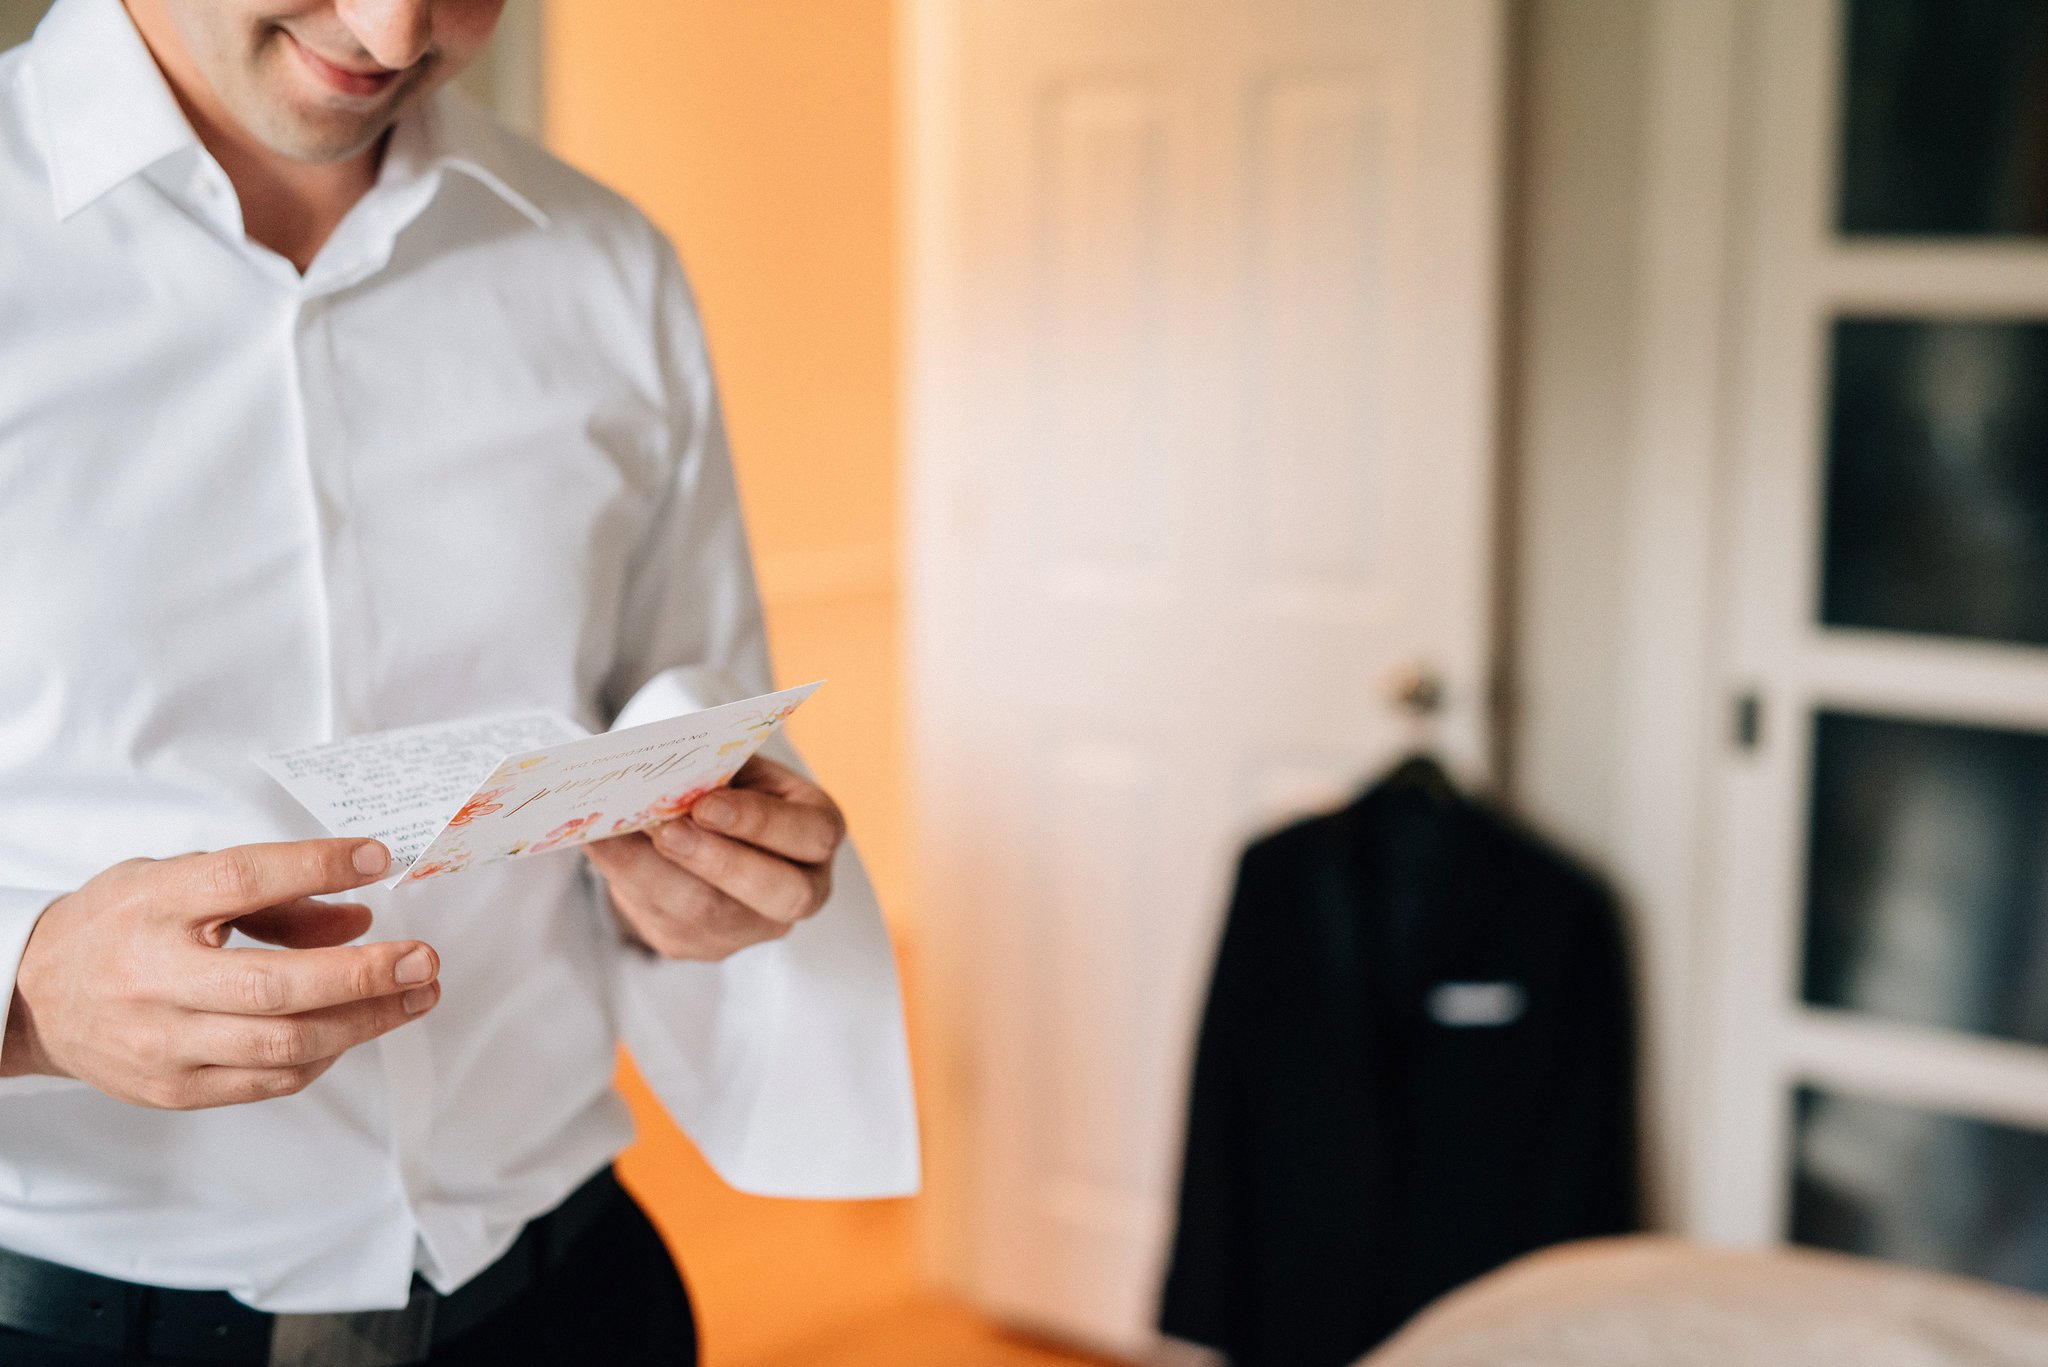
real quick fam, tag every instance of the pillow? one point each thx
(1658, 1302)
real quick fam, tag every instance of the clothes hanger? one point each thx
(1417, 689)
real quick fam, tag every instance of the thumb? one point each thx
(306, 924)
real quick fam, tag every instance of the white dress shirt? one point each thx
(471, 461)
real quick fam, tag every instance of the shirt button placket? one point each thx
(333, 444)
(324, 423)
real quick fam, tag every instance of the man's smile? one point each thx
(340, 79)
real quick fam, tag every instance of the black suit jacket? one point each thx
(1350, 1155)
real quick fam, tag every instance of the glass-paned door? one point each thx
(1880, 1078)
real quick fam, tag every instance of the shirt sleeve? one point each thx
(20, 908)
(785, 1063)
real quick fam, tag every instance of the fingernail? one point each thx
(415, 967)
(418, 1000)
(679, 837)
(372, 858)
(714, 809)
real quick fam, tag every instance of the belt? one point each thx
(52, 1301)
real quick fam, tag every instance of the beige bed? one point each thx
(1649, 1302)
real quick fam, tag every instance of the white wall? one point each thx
(1616, 449)
(1579, 151)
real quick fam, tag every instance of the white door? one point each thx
(1203, 370)
(1880, 1068)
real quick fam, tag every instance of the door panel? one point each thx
(1945, 120)
(1936, 511)
(1927, 891)
(1940, 1191)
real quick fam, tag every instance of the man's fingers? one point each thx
(763, 774)
(226, 1086)
(618, 851)
(673, 911)
(631, 862)
(793, 824)
(762, 882)
(266, 982)
(265, 1042)
(306, 924)
(713, 927)
(224, 884)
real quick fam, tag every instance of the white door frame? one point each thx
(927, 193)
(1620, 706)
(1672, 694)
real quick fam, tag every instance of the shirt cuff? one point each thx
(786, 1063)
(20, 908)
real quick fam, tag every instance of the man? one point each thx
(327, 407)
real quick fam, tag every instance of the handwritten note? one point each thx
(400, 786)
(451, 796)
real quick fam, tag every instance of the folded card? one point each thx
(449, 796)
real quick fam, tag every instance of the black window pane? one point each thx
(1912, 1186)
(1937, 479)
(1945, 117)
(1927, 883)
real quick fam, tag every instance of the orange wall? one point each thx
(759, 136)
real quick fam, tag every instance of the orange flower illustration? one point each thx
(568, 833)
(483, 804)
(671, 807)
(452, 864)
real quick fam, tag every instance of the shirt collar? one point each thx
(448, 132)
(416, 161)
(108, 115)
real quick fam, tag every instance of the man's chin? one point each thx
(296, 119)
(322, 138)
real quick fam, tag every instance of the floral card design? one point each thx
(456, 795)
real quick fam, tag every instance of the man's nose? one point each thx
(395, 33)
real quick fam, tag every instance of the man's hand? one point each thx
(125, 983)
(746, 864)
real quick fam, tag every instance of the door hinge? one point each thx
(1748, 729)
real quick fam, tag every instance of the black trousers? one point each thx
(616, 1299)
